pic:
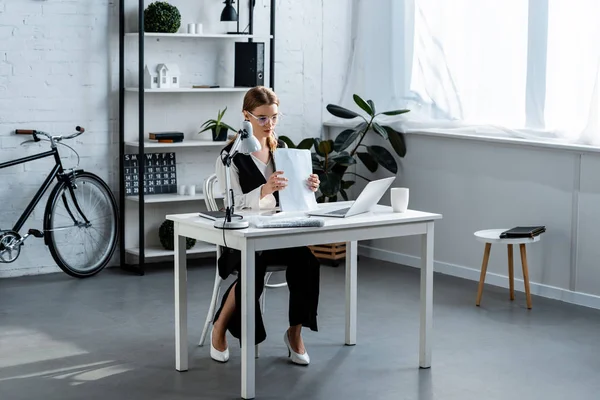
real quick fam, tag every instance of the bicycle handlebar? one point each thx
(33, 132)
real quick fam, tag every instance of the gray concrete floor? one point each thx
(112, 337)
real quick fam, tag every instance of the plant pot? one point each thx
(222, 134)
(166, 236)
(332, 251)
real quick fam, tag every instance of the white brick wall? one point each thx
(59, 68)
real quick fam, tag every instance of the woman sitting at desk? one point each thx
(255, 184)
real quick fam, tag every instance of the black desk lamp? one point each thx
(229, 14)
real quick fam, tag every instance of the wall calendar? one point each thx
(160, 174)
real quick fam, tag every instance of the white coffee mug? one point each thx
(181, 190)
(191, 29)
(399, 199)
(199, 29)
(191, 190)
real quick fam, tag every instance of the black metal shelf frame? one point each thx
(140, 267)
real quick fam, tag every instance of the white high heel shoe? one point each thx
(300, 359)
(220, 356)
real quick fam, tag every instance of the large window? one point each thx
(520, 68)
(525, 66)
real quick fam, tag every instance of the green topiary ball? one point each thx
(165, 234)
(163, 17)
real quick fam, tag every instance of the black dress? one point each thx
(302, 272)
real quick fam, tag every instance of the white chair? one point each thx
(211, 205)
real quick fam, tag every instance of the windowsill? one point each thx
(580, 148)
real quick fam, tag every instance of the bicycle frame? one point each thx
(57, 171)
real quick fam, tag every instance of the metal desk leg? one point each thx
(248, 321)
(181, 323)
(426, 297)
(351, 270)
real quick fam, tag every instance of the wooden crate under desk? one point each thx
(332, 251)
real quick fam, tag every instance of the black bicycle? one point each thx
(80, 219)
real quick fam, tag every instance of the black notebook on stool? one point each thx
(523, 232)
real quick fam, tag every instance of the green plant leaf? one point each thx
(223, 124)
(347, 184)
(205, 129)
(316, 142)
(220, 114)
(341, 112)
(317, 168)
(344, 195)
(306, 144)
(383, 157)
(379, 129)
(330, 183)
(326, 146)
(362, 104)
(210, 122)
(317, 163)
(330, 165)
(341, 139)
(288, 142)
(397, 140)
(349, 136)
(343, 158)
(395, 112)
(372, 105)
(368, 160)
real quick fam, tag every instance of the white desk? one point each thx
(380, 223)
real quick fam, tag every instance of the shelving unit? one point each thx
(141, 145)
(170, 198)
(190, 143)
(201, 36)
(191, 90)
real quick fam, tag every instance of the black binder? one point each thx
(523, 232)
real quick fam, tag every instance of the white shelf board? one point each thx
(200, 36)
(185, 143)
(168, 198)
(192, 90)
(155, 251)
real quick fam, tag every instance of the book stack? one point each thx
(166, 137)
(523, 232)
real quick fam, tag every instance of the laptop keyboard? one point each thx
(339, 212)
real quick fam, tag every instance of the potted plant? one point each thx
(167, 238)
(218, 127)
(161, 16)
(332, 158)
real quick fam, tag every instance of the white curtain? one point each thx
(513, 68)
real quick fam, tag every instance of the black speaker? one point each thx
(249, 64)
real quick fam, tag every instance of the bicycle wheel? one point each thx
(81, 225)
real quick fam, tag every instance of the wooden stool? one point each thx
(493, 236)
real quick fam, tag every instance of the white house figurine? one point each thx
(150, 79)
(168, 76)
(164, 76)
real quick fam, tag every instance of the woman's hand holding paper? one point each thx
(313, 182)
(274, 184)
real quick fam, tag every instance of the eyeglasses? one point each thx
(262, 121)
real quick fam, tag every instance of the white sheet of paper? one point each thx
(296, 165)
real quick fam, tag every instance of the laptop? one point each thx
(368, 198)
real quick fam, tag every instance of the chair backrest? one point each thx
(209, 193)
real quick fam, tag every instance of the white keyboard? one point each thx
(289, 222)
